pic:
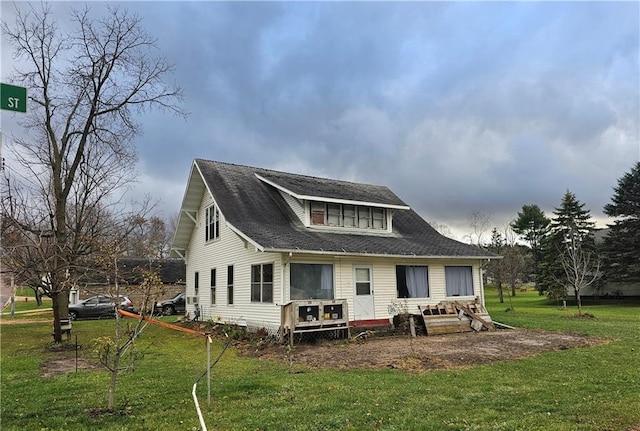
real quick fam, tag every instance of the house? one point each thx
(607, 289)
(256, 241)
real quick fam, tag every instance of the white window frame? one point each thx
(447, 281)
(428, 285)
(261, 284)
(356, 217)
(212, 284)
(212, 223)
(333, 278)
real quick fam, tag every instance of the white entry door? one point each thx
(363, 293)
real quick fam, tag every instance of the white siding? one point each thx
(230, 249)
(384, 280)
(296, 205)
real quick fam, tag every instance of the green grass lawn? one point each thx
(596, 388)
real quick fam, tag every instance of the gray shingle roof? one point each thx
(258, 210)
(332, 189)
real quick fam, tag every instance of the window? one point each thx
(334, 215)
(230, 285)
(212, 219)
(311, 281)
(379, 218)
(196, 283)
(363, 281)
(350, 216)
(213, 286)
(412, 281)
(317, 213)
(262, 283)
(364, 217)
(459, 280)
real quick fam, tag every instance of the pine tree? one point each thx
(532, 225)
(571, 224)
(622, 244)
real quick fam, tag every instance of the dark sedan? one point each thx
(99, 306)
(171, 306)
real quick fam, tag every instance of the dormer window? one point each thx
(318, 213)
(349, 216)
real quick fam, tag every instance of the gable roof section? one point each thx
(250, 202)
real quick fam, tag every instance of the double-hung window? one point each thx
(213, 286)
(196, 283)
(458, 280)
(212, 220)
(262, 283)
(412, 281)
(230, 285)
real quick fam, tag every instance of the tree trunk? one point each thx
(500, 292)
(60, 304)
(112, 387)
(578, 301)
(513, 290)
(36, 291)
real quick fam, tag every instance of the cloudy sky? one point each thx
(458, 107)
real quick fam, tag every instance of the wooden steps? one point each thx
(453, 317)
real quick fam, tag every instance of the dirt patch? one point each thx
(422, 354)
(58, 367)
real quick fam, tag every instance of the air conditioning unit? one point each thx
(192, 300)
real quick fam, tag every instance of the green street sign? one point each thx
(13, 98)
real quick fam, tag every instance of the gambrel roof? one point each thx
(252, 204)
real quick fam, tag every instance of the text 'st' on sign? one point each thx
(13, 98)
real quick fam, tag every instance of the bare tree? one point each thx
(514, 261)
(442, 229)
(581, 265)
(77, 149)
(509, 268)
(149, 238)
(495, 267)
(479, 223)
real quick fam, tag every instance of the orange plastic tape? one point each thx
(159, 323)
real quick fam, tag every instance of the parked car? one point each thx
(99, 306)
(171, 306)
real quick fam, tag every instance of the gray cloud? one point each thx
(457, 107)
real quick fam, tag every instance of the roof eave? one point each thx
(329, 199)
(180, 243)
(377, 255)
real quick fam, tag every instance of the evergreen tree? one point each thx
(532, 225)
(622, 244)
(571, 224)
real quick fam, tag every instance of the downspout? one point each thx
(482, 282)
(285, 263)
